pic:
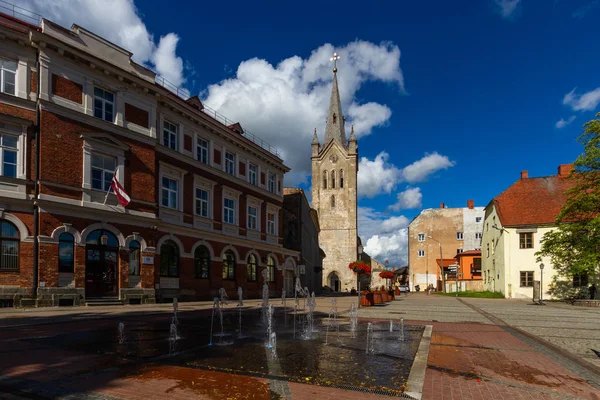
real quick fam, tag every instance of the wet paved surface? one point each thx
(480, 348)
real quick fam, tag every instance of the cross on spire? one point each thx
(334, 59)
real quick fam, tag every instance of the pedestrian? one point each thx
(592, 291)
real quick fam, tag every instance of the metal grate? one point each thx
(383, 392)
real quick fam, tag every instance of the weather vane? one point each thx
(334, 59)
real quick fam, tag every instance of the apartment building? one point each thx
(206, 196)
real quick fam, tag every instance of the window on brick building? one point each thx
(333, 179)
(170, 135)
(252, 218)
(8, 74)
(202, 151)
(271, 223)
(66, 253)
(202, 202)
(421, 237)
(580, 280)
(201, 263)
(272, 183)
(459, 236)
(271, 269)
(9, 247)
(169, 193)
(169, 259)
(526, 240)
(103, 170)
(229, 211)
(229, 265)
(421, 253)
(526, 278)
(324, 179)
(230, 163)
(134, 258)
(252, 265)
(478, 235)
(104, 105)
(252, 174)
(9, 154)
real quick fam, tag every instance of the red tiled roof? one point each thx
(532, 201)
(447, 261)
(469, 253)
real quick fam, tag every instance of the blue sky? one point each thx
(464, 95)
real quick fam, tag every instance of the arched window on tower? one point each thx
(333, 179)
(341, 178)
(324, 179)
(332, 201)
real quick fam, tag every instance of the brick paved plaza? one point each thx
(480, 349)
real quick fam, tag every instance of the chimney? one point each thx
(471, 204)
(565, 169)
(442, 205)
(524, 175)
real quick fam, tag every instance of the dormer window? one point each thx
(104, 104)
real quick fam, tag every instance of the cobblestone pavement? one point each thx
(480, 348)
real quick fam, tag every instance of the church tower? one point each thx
(334, 182)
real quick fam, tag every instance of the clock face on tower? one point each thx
(333, 158)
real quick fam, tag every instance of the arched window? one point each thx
(169, 259)
(134, 257)
(229, 265)
(333, 179)
(66, 253)
(201, 262)
(97, 237)
(271, 269)
(252, 268)
(332, 201)
(341, 178)
(324, 179)
(9, 246)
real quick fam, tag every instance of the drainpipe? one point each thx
(36, 208)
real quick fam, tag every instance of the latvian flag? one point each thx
(119, 191)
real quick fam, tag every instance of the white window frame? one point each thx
(104, 171)
(271, 225)
(252, 219)
(421, 237)
(478, 235)
(271, 183)
(108, 146)
(421, 253)
(169, 190)
(200, 156)
(253, 175)
(4, 71)
(104, 103)
(5, 149)
(201, 201)
(226, 209)
(229, 163)
(460, 236)
(167, 131)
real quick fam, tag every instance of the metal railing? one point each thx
(185, 94)
(20, 13)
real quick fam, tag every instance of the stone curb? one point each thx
(416, 377)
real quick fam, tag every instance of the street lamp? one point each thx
(360, 251)
(441, 265)
(103, 239)
(541, 283)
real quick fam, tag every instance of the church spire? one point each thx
(334, 129)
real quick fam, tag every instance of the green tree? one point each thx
(574, 247)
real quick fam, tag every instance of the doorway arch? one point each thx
(101, 264)
(334, 282)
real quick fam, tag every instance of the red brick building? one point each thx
(206, 196)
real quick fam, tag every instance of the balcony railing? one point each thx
(185, 94)
(20, 13)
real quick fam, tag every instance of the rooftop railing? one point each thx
(185, 94)
(20, 13)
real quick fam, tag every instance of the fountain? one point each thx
(175, 320)
(172, 337)
(270, 332)
(391, 326)
(283, 298)
(240, 305)
(223, 296)
(402, 329)
(353, 320)
(312, 303)
(370, 345)
(121, 329)
(273, 344)
(215, 305)
(333, 312)
(265, 294)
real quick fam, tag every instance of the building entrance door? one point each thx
(334, 282)
(101, 265)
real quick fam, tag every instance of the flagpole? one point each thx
(109, 186)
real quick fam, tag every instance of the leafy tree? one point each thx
(574, 247)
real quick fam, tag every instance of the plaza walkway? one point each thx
(480, 349)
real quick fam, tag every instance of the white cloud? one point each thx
(410, 198)
(377, 176)
(562, 122)
(429, 164)
(506, 8)
(384, 237)
(119, 22)
(585, 102)
(284, 103)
